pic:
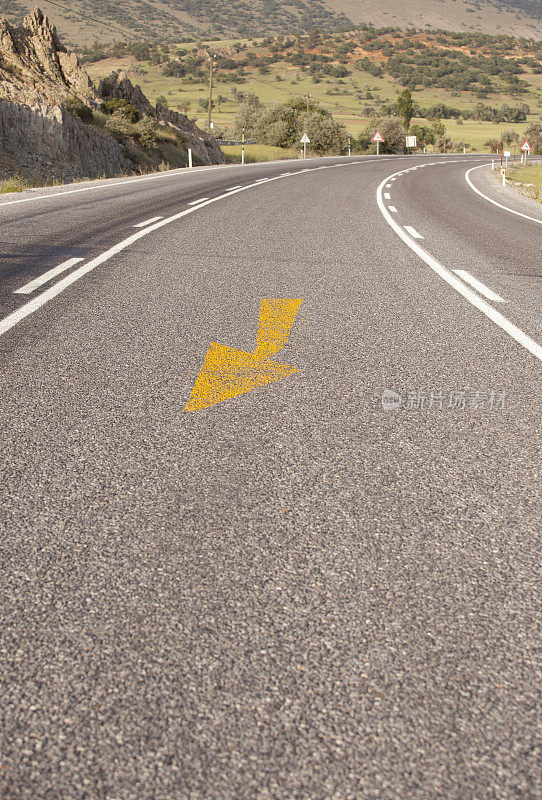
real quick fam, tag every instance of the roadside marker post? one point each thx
(349, 146)
(243, 147)
(190, 157)
(305, 141)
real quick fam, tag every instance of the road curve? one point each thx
(325, 588)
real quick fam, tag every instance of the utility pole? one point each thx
(210, 93)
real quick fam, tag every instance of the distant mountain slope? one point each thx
(515, 17)
(85, 21)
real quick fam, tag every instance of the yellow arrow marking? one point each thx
(228, 373)
(275, 324)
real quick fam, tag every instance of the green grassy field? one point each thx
(337, 95)
(530, 180)
(258, 152)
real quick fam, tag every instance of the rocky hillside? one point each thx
(54, 124)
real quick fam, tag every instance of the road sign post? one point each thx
(378, 138)
(525, 149)
(305, 141)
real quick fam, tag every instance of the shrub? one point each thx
(79, 109)
(122, 108)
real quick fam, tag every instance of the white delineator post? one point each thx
(190, 157)
(243, 147)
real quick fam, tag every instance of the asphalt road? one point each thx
(294, 594)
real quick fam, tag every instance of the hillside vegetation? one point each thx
(478, 84)
(86, 21)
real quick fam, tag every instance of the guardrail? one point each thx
(231, 143)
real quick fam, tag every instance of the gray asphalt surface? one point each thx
(293, 594)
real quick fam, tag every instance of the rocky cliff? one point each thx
(35, 66)
(204, 147)
(50, 121)
(46, 142)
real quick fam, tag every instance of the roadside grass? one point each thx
(528, 180)
(257, 152)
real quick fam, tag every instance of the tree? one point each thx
(438, 128)
(534, 135)
(392, 132)
(326, 134)
(493, 145)
(405, 108)
(221, 99)
(510, 137)
(248, 115)
(283, 125)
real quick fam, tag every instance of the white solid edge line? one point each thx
(33, 305)
(147, 222)
(495, 316)
(413, 232)
(197, 202)
(28, 288)
(480, 287)
(233, 188)
(495, 203)
(182, 171)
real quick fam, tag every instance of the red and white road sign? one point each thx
(526, 146)
(378, 137)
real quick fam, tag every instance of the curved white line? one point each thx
(511, 210)
(37, 302)
(495, 316)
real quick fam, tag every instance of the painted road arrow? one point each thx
(228, 373)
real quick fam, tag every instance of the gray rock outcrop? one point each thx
(41, 139)
(46, 142)
(117, 86)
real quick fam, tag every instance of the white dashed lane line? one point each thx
(195, 202)
(47, 276)
(233, 188)
(392, 209)
(413, 232)
(454, 281)
(387, 196)
(480, 287)
(147, 222)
